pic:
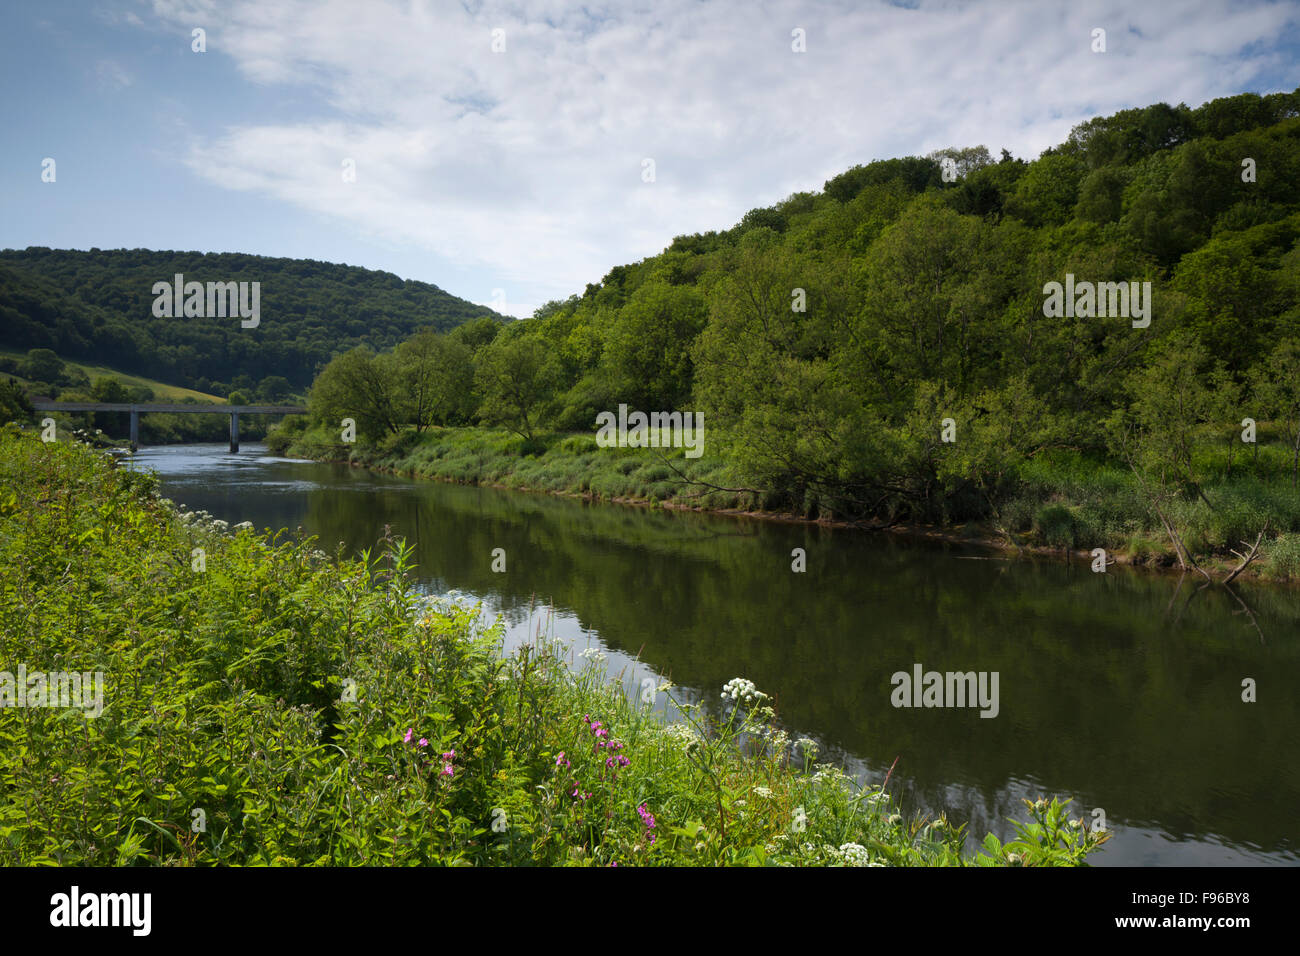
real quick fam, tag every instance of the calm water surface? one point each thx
(1122, 690)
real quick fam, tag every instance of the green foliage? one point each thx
(281, 707)
(98, 305)
(516, 377)
(14, 406)
(1056, 525)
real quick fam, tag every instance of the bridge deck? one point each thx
(136, 409)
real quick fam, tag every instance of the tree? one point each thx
(1277, 385)
(358, 385)
(516, 377)
(14, 406)
(274, 389)
(435, 378)
(1046, 194)
(647, 354)
(43, 365)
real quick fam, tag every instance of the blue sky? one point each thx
(522, 170)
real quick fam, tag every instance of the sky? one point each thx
(512, 153)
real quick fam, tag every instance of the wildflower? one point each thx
(407, 738)
(424, 741)
(449, 755)
(648, 819)
(742, 690)
(808, 746)
(562, 761)
(448, 771)
(764, 792)
(854, 854)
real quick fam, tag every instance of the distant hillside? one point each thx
(98, 305)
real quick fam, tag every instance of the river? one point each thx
(1122, 690)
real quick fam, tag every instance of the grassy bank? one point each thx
(1060, 502)
(568, 464)
(264, 703)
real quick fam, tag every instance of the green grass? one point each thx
(162, 391)
(264, 703)
(570, 464)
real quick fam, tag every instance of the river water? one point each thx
(1122, 690)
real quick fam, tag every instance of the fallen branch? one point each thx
(1246, 558)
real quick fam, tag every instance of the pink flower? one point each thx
(424, 741)
(407, 738)
(448, 771)
(449, 755)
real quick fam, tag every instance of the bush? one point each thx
(1055, 524)
(1284, 556)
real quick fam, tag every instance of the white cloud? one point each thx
(528, 162)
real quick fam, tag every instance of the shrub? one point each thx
(1056, 525)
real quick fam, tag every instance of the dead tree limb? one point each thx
(1246, 558)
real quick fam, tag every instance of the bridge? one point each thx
(234, 411)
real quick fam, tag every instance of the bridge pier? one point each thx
(135, 430)
(234, 432)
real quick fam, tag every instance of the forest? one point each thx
(97, 304)
(885, 350)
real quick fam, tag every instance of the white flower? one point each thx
(808, 746)
(744, 691)
(764, 792)
(780, 741)
(855, 854)
(593, 654)
(244, 526)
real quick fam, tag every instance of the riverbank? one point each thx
(1065, 507)
(260, 702)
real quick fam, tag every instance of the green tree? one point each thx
(358, 385)
(43, 365)
(1277, 385)
(14, 406)
(435, 379)
(516, 378)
